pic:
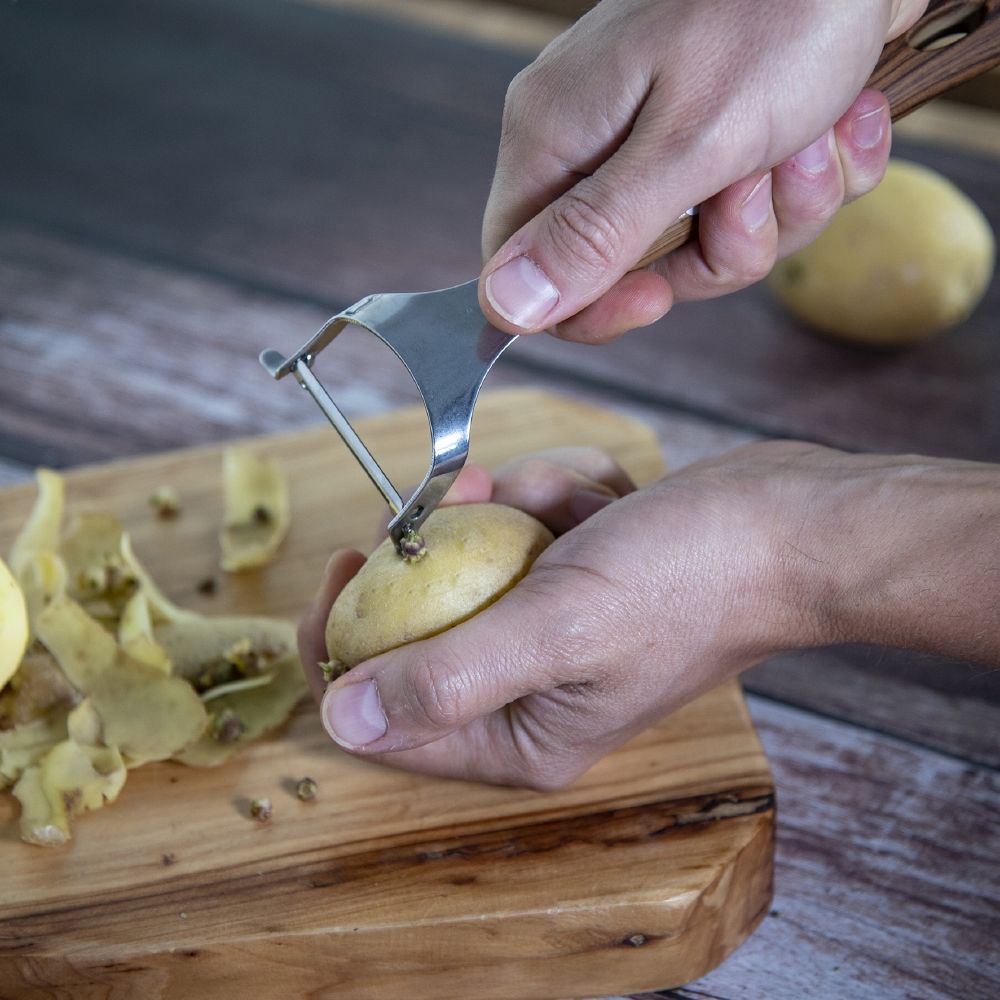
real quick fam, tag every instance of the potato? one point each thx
(13, 624)
(895, 267)
(475, 553)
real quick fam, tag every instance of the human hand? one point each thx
(641, 604)
(655, 597)
(561, 487)
(750, 110)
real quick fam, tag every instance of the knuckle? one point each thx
(517, 89)
(757, 267)
(588, 460)
(438, 694)
(583, 233)
(534, 468)
(570, 639)
(820, 209)
(516, 121)
(533, 478)
(729, 276)
(860, 183)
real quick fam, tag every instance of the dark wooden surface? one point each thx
(184, 183)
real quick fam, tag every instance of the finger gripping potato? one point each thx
(474, 554)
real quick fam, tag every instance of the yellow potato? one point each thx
(895, 267)
(475, 553)
(13, 624)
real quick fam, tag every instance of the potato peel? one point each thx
(26, 745)
(257, 513)
(98, 576)
(84, 725)
(195, 643)
(135, 634)
(68, 780)
(115, 674)
(82, 648)
(258, 710)
(161, 608)
(147, 714)
(41, 531)
(38, 690)
(42, 577)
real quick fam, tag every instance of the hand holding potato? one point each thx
(650, 597)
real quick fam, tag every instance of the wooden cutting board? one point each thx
(645, 874)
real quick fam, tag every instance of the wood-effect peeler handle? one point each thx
(954, 41)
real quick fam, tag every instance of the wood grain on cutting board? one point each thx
(646, 873)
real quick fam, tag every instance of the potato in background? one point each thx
(896, 267)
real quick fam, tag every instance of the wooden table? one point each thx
(184, 181)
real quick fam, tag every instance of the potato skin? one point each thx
(894, 268)
(475, 553)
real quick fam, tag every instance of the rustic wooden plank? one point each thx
(334, 149)
(141, 358)
(886, 883)
(258, 183)
(886, 886)
(950, 706)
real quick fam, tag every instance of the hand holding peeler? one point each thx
(447, 345)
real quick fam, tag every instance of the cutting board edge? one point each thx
(752, 794)
(642, 943)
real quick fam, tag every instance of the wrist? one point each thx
(906, 553)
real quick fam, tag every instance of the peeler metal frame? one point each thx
(448, 348)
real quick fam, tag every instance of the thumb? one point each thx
(420, 692)
(573, 251)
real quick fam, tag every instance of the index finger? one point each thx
(340, 568)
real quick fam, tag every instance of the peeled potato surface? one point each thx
(475, 553)
(13, 624)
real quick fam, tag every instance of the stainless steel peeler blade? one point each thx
(448, 348)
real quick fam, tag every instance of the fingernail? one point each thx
(815, 157)
(521, 292)
(585, 503)
(868, 129)
(756, 208)
(353, 715)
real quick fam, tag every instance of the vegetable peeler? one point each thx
(448, 348)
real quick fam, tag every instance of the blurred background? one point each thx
(186, 182)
